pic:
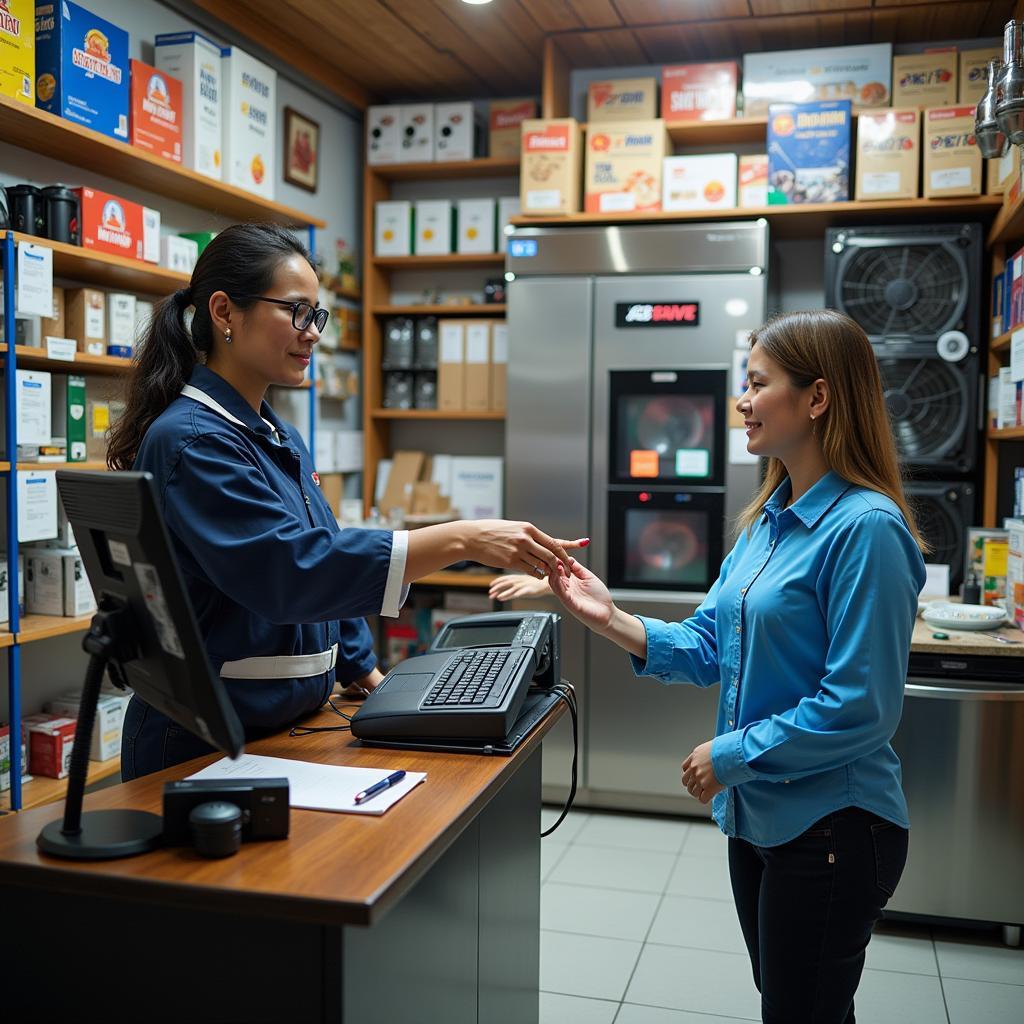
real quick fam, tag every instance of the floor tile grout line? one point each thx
(647, 892)
(938, 968)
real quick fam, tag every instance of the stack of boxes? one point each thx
(472, 367)
(438, 227)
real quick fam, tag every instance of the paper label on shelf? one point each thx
(1017, 355)
(61, 348)
(738, 454)
(34, 413)
(34, 296)
(952, 177)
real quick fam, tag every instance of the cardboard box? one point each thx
(392, 228)
(53, 326)
(37, 505)
(624, 163)
(860, 74)
(809, 152)
(549, 176)
(250, 122)
(416, 131)
(624, 99)
(120, 324)
(475, 222)
(110, 224)
(196, 62)
(1015, 571)
(82, 68)
(383, 134)
(406, 469)
(68, 413)
(5, 759)
(952, 160)
(44, 581)
(106, 731)
(85, 318)
(455, 132)
(433, 223)
(477, 486)
(156, 108)
(752, 186)
(699, 182)
(973, 76)
(50, 740)
(451, 377)
(888, 154)
(104, 405)
(499, 366)
(18, 50)
(505, 135)
(150, 235)
(699, 92)
(926, 79)
(478, 366)
(1007, 399)
(177, 253)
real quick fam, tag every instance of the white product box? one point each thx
(250, 122)
(508, 207)
(392, 228)
(197, 62)
(120, 324)
(106, 731)
(65, 534)
(476, 226)
(44, 581)
(325, 449)
(35, 416)
(5, 611)
(143, 318)
(37, 505)
(699, 182)
(177, 253)
(454, 131)
(150, 235)
(1007, 399)
(477, 486)
(433, 220)
(416, 133)
(383, 135)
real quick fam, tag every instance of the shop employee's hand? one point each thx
(508, 588)
(699, 775)
(519, 546)
(583, 594)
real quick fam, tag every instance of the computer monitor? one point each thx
(146, 631)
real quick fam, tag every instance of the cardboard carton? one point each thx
(508, 207)
(68, 413)
(1015, 572)
(104, 405)
(416, 132)
(110, 224)
(699, 182)
(383, 135)
(451, 388)
(18, 50)
(392, 228)
(499, 366)
(53, 326)
(699, 92)
(156, 107)
(50, 740)
(478, 366)
(926, 79)
(952, 160)
(624, 99)
(752, 186)
(406, 469)
(624, 165)
(120, 324)
(549, 177)
(809, 152)
(106, 731)
(506, 117)
(475, 223)
(973, 76)
(85, 319)
(888, 154)
(455, 132)
(433, 227)
(250, 122)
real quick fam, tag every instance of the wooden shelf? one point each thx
(719, 133)
(36, 359)
(1002, 343)
(48, 135)
(6, 638)
(61, 465)
(487, 167)
(433, 414)
(115, 272)
(1007, 434)
(1009, 223)
(469, 580)
(455, 260)
(42, 791)
(442, 309)
(42, 627)
(807, 220)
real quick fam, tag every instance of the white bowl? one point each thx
(947, 615)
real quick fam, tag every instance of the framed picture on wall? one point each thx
(301, 150)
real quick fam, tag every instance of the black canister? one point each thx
(61, 211)
(216, 828)
(26, 209)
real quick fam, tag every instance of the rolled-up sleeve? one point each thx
(395, 591)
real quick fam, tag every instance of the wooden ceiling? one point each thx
(381, 50)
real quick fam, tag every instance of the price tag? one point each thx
(61, 348)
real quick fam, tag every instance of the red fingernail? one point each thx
(585, 542)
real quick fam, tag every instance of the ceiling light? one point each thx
(476, 3)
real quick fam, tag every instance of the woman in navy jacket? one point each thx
(278, 589)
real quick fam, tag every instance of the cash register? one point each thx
(471, 684)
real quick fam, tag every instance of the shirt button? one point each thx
(737, 629)
(730, 721)
(743, 590)
(786, 781)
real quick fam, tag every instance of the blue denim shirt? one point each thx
(266, 567)
(808, 630)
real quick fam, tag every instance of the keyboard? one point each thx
(468, 679)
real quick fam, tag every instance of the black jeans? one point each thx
(150, 742)
(807, 909)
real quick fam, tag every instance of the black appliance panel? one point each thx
(944, 511)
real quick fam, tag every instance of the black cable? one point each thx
(566, 693)
(308, 730)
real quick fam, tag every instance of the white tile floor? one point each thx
(638, 927)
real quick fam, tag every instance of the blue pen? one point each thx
(379, 787)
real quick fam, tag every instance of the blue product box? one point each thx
(82, 68)
(809, 152)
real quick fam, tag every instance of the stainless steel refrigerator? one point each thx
(627, 346)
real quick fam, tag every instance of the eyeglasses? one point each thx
(303, 314)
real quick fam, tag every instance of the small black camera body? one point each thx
(262, 802)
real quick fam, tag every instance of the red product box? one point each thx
(699, 92)
(156, 108)
(50, 740)
(110, 223)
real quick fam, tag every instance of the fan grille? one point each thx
(927, 401)
(917, 290)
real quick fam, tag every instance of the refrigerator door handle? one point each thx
(961, 693)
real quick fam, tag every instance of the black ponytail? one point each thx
(241, 260)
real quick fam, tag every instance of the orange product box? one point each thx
(549, 174)
(110, 224)
(156, 110)
(699, 92)
(752, 189)
(50, 740)
(624, 166)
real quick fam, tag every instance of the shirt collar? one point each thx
(225, 395)
(812, 505)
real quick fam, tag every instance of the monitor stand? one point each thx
(99, 835)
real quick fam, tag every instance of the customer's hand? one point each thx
(359, 688)
(508, 588)
(699, 774)
(582, 594)
(520, 546)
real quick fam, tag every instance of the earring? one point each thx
(227, 336)
(812, 415)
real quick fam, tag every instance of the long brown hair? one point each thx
(855, 434)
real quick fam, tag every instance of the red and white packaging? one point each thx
(752, 189)
(156, 111)
(110, 224)
(50, 740)
(699, 92)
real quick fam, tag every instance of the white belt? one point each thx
(293, 666)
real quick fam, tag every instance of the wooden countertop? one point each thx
(332, 869)
(964, 641)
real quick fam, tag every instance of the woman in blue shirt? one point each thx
(807, 629)
(278, 589)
